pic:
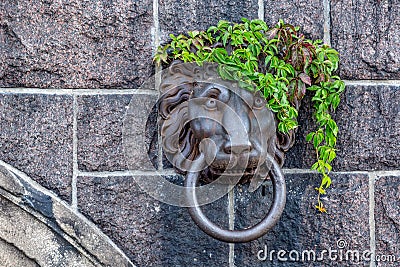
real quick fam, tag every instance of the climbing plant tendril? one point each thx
(282, 64)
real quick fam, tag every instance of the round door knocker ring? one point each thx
(244, 235)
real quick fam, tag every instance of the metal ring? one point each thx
(244, 235)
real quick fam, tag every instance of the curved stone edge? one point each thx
(72, 226)
(15, 257)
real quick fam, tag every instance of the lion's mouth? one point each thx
(244, 174)
(232, 172)
(220, 167)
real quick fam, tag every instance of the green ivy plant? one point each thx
(282, 64)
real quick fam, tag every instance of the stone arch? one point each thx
(39, 229)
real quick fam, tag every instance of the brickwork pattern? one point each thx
(69, 71)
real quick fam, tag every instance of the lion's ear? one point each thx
(285, 141)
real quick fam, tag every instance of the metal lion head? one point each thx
(214, 130)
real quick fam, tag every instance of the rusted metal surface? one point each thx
(215, 132)
(245, 235)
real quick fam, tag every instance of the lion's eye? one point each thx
(211, 103)
(258, 102)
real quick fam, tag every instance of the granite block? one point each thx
(75, 44)
(181, 16)
(151, 233)
(100, 132)
(345, 226)
(308, 15)
(36, 138)
(387, 220)
(369, 136)
(367, 35)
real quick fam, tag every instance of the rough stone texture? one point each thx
(181, 16)
(367, 35)
(53, 249)
(302, 154)
(387, 219)
(150, 233)
(369, 136)
(301, 227)
(75, 44)
(36, 137)
(255, 204)
(308, 15)
(11, 256)
(100, 132)
(108, 44)
(37, 228)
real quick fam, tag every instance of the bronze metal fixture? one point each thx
(215, 132)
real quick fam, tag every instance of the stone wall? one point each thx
(69, 70)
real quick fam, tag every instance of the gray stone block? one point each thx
(75, 44)
(308, 15)
(100, 132)
(36, 137)
(151, 233)
(301, 227)
(369, 136)
(387, 220)
(367, 36)
(181, 16)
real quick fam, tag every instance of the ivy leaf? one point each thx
(335, 101)
(305, 78)
(318, 138)
(272, 33)
(332, 155)
(223, 24)
(320, 190)
(310, 136)
(326, 181)
(320, 208)
(224, 72)
(332, 125)
(301, 90)
(225, 38)
(315, 166)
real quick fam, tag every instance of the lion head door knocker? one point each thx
(215, 132)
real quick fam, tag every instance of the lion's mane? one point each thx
(177, 84)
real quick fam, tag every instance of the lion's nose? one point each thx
(237, 149)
